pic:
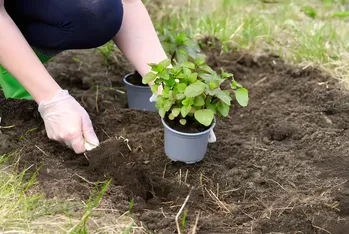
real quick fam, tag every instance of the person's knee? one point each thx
(100, 21)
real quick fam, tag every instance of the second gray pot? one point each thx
(185, 147)
(138, 95)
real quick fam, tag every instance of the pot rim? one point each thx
(132, 85)
(190, 134)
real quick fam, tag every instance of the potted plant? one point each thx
(179, 47)
(191, 100)
(138, 94)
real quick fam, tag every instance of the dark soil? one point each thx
(279, 165)
(190, 127)
(135, 79)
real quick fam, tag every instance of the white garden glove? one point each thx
(66, 121)
(212, 137)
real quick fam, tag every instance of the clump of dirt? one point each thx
(278, 166)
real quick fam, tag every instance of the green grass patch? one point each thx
(307, 33)
(23, 210)
(19, 207)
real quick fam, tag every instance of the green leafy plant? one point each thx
(107, 51)
(309, 11)
(178, 45)
(192, 91)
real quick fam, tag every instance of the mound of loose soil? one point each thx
(279, 165)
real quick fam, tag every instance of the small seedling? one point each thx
(130, 206)
(192, 91)
(92, 202)
(184, 219)
(178, 46)
(309, 11)
(27, 132)
(107, 51)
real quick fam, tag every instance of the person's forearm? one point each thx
(137, 38)
(17, 57)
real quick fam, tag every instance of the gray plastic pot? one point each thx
(138, 96)
(186, 147)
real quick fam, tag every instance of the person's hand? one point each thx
(66, 121)
(212, 137)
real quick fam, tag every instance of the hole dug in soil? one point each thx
(279, 165)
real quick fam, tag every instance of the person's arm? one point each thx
(17, 57)
(65, 120)
(137, 38)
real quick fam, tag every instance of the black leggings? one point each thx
(66, 24)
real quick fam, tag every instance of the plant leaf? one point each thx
(200, 59)
(223, 108)
(160, 100)
(149, 77)
(206, 77)
(185, 110)
(199, 101)
(226, 74)
(223, 96)
(235, 85)
(170, 82)
(171, 117)
(181, 87)
(207, 69)
(180, 38)
(189, 65)
(180, 96)
(183, 121)
(176, 111)
(182, 55)
(167, 105)
(164, 74)
(211, 107)
(193, 77)
(165, 63)
(165, 92)
(204, 117)
(213, 84)
(186, 72)
(154, 88)
(241, 95)
(162, 112)
(195, 89)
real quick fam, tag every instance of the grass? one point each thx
(306, 33)
(23, 210)
(19, 206)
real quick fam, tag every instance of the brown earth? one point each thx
(279, 165)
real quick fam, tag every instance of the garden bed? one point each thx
(279, 165)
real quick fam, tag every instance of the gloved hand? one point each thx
(66, 121)
(212, 137)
